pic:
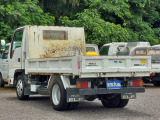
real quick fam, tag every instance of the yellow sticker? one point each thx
(143, 61)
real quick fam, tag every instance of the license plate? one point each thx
(113, 84)
(128, 96)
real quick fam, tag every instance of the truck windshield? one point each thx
(104, 50)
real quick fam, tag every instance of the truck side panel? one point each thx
(94, 66)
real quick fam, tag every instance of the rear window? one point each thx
(90, 49)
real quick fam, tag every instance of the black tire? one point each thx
(20, 88)
(111, 100)
(73, 105)
(90, 98)
(156, 83)
(123, 103)
(59, 103)
(1, 81)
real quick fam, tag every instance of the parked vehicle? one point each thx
(155, 75)
(126, 49)
(136, 49)
(92, 50)
(51, 60)
(4, 66)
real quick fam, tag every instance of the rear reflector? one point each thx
(141, 82)
(78, 64)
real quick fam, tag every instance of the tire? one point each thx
(111, 100)
(58, 96)
(90, 98)
(123, 103)
(73, 105)
(20, 88)
(156, 83)
(1, 81)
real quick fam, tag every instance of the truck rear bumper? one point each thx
(109, 91)
(78, 95)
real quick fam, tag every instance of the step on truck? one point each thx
(51, 60)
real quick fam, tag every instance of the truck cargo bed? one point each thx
(92, 66)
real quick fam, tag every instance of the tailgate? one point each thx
(115, 66)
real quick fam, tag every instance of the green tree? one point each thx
(15, 14)
(97, 30)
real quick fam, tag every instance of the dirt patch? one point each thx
(7, 89)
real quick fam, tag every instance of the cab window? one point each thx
(17, 41)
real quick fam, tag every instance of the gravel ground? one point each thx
(145, 107)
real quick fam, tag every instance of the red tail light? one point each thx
(137, 83)
(82, 84)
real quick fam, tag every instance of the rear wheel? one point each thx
(123, 103)
(58, 96)
(1, 81)
(156, 83)
(111, 100)
(73, 105)
(20, 88)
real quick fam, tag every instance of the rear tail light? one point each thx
(83, 84)
(137, 83)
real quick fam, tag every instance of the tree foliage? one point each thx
(15, 14)
(104, 20)
(138, 18)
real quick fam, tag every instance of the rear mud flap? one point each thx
(74, 96)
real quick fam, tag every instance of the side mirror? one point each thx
(3, 44)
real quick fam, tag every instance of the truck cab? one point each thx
(126, 49)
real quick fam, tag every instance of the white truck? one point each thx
(126, 49)
(136, 49)
(155, 75)
(4, 65)
(52, 60)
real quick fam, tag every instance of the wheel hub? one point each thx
(56, 94)
(19, 87)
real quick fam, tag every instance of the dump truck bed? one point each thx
(92, 66)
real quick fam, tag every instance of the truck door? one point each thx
(5, 66)
(15, 54)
